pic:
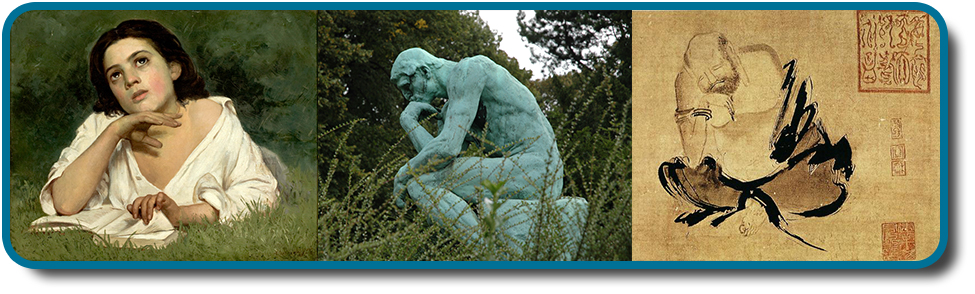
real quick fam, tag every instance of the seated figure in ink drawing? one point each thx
(157, 145)
(749, 134)
(486, 108)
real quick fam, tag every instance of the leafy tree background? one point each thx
(588, 107)
(260, 59)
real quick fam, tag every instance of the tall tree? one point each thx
(588, 103)
(578, 38)
(594, 47)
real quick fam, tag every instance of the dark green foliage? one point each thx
(589, 109)
(263, 60)
(597, 44)
(580, 38)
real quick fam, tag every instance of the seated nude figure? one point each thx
(749, 134)
(486, 107)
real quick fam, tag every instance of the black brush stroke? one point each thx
(783, 150)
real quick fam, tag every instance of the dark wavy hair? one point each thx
(189, 85)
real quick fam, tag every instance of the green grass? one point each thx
(286, 232)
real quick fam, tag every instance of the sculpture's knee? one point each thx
(403, 170)
(547, 182)
(555, 189)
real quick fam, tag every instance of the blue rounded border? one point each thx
(944, 168)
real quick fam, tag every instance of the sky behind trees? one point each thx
(505, 23)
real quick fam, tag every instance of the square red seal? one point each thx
(898, 168)
(898, 152)
(894, 51)
(898, 241)
(896, 128)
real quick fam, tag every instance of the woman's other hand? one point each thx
(144, 207)
(135, 127)
(168, 208)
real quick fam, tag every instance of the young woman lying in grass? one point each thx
(157, 145)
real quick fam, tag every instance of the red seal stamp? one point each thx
(896, 128)
(894, 51)
(898, 241)
(898, 168)
(898, 152)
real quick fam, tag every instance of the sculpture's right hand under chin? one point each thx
(417, 110)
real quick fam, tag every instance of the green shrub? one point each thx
(365, 224)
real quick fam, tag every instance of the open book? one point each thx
(112, 227)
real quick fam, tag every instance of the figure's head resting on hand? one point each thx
(713, 62)
(148, 40)
(415, 74)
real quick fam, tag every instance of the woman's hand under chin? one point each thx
(135, 127)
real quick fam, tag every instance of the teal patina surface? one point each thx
(488, 109)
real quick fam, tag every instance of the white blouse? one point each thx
(225, 170)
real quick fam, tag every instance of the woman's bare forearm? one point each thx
(78, 182)
(193, 214)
